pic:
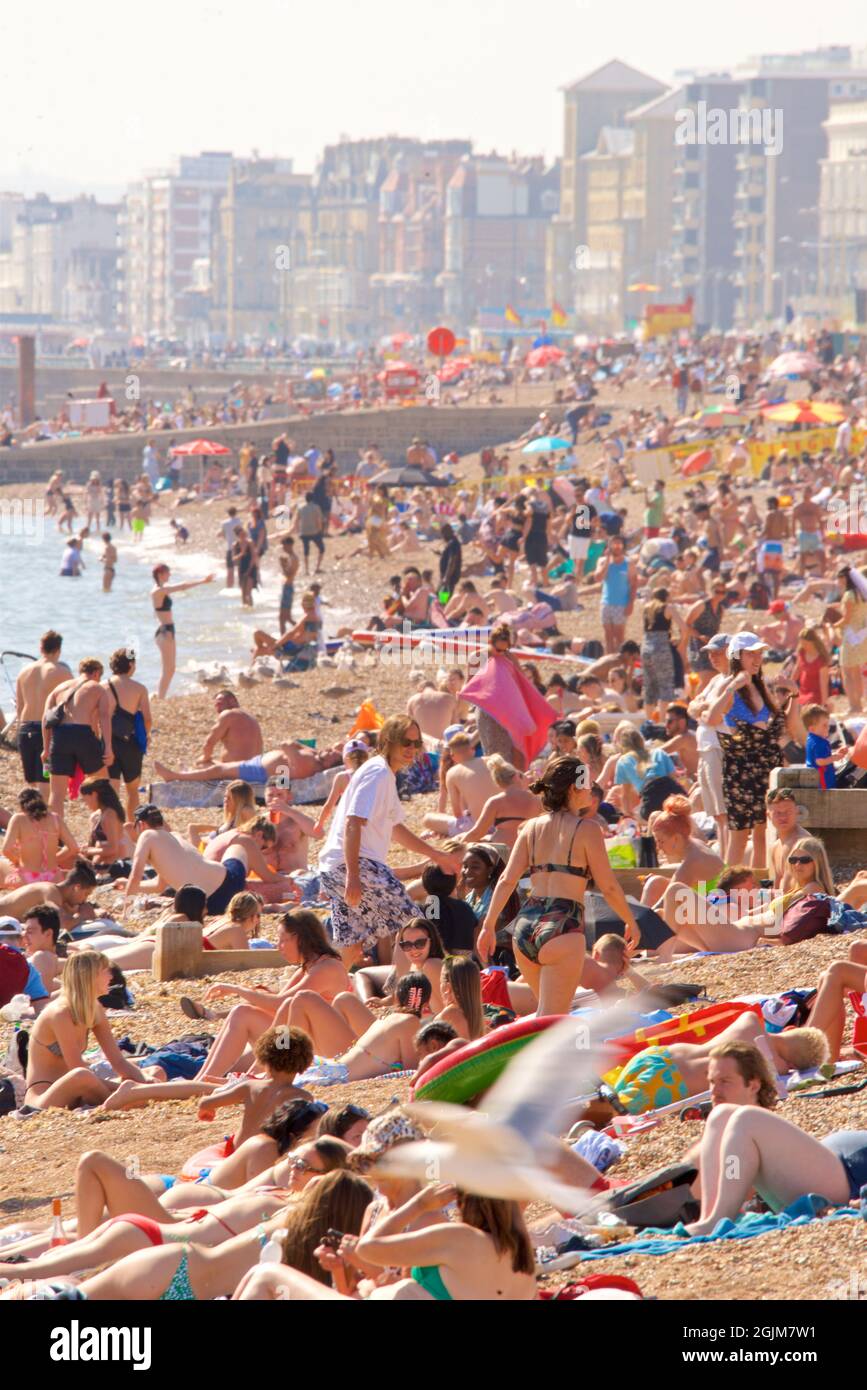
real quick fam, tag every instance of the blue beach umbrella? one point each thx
(549, 443)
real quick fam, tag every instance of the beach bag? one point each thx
(58, 713)
(122, 722)
(805, 919)
(141, 733)
(14, 972)
(622, 851)
(662, 1199)
(8, 1101)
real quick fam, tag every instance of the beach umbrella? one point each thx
(805, 413)
(544, 356)
(696, 462)
(641, 288)
(721, 415)
(794, 364)
(200, 448)
(543, 340)
(315, 374)
(335, 389)
(548, 444)
(454, 370)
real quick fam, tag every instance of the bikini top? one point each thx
(579, 871)
(53, 1048)
(502, 820)
(165, 606)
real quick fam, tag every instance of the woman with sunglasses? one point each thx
(367, 900)
(417, 946)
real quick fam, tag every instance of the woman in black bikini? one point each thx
(109, 843)
(560, 852)
(165, 633)
(56, 1071)
(502, 815)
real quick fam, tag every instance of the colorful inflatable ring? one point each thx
(696, 1027)
(206, 1158)
(471, 1070)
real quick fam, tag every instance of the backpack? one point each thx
(806, 918)
(661, 1199)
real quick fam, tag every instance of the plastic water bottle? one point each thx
(272, 1251)
(17, 1007)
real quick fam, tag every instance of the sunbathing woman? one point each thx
(560, 852)
(388, 1045)
(697, 866)
(302, 942)
(484, 1254)
(30, 848)
(727, 920)
(57, 1074)
(745, 1147)
(239, 806)
(186, 1272)
(461, 988)
(661, 1075)
(502, 815)
(418, 946)
(109, 842)
(228, 933)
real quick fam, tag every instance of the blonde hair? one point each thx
(588, 728)
(612, 949)
(78, 985)
(502, 772)
(627, 739)
(243, 803)
(819, 855)
(242, 906)
(805, 1048)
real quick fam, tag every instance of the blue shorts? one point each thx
(34, 986)
(234, 882)
(253, 771)
(850, 1146)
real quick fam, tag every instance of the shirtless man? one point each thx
(294, 831)
(784, 629)
(257, 841)
(235, 730)
(84, 736)
(808, 518)
(291, 760)
(177, 864)
(418, 455)
(435, 708)
(415, 601)
(784, 816)
(69, 897)
(34, 685)
(469, 785)
(40, 928)
(109, 562)
(501, 598)
(680, 740)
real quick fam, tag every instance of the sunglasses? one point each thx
(352, 1112)
(412, 743)
(800, 859)
(417, 943)
(301, 1165)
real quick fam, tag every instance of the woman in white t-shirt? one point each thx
(367, 901)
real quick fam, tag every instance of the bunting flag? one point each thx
(558, 315)
(512, 315)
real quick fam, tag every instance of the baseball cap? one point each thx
(746, 642)
(9, 926)
(355, 745)
(717, 643)
(779, 605)
(451, 731)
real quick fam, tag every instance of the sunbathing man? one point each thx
(237, 732)
(178, 864)
(290, 761)
(40, 929)
(661, 1075)
(257, 838)
(69, 897)
(281, 1053)
(388, 1045)
(469, 784)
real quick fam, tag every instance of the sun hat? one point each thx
(383, 1132)
(746, 642)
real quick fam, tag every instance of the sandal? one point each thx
(192, 1008)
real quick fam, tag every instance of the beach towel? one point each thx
(812, 1207)
(504, 693)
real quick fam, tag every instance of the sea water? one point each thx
(212, 627)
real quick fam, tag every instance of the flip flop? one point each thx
(192, 1008)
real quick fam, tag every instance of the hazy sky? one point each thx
(94, 92)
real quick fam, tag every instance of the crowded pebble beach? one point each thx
(597, 846)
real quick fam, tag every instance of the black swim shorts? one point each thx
(75, 743)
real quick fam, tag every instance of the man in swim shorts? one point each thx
(177, 864)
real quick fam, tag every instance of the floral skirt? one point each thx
(750, 754)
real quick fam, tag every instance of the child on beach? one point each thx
(817, 722)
